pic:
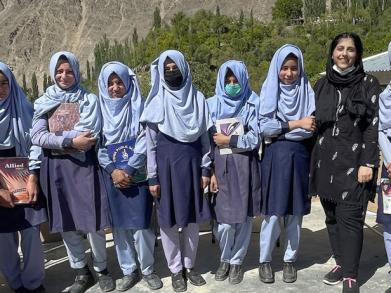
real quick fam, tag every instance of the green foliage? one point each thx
(208, 39)
(44, 81)
(287, 10)
(34, 87)
(157, 20)
(314, 8)
(88, 69)
(24, 83)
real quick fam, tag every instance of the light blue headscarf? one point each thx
(181, 114)
(222, 105)
(385, 104)
(287, 102)
(54, 96)
(120, 116)
(16, 114)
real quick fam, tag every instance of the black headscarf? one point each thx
(326, 96)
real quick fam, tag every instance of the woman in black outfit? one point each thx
(346, 154)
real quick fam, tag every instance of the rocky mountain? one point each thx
(32, 30)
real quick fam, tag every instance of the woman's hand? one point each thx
(121, 179)
(388, 167)
(6, 199)
(32, 188)
(221, 139)
(365, 174)
(84, 141)
(214, 187)
(155, 190)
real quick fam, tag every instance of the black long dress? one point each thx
(342, 147)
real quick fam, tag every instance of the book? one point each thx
(230, 126)
(119, 154)
(385, 184)
(14, 173)
(63, 118)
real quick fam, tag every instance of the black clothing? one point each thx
(345, 227)
(343, 145)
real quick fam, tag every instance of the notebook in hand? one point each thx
(63, 118)
(229, 126)
(14, 173)
(119, 153)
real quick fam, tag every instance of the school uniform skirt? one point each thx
(239, 185)
(130, 208)
(181, 200)
(75, 192)
(285, 172)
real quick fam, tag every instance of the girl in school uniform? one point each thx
(178, 146)
(236, 178)
(129, 198)
(71, 178)
(287, 103)
(16, 115)
(385, 147)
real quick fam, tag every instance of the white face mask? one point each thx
(343, 72)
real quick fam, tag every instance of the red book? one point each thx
(14, 173)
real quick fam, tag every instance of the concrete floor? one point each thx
(313, 262)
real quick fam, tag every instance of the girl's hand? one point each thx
(84, 141)
(221, 139)
(6, 200)
(120, 178)
(308, 123)
(32, 188)
(213, 184)
(155, 190)
(365, 174)
(205, 181)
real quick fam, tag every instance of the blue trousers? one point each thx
(180, 248)
(128, 243)
(234, 240)
(74, 244)
(33, 271)
(271, 230)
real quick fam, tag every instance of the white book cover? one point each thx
(229, 126)
(385, 184)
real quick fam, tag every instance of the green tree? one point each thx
(314, 8)
(44, 81)
(241, 18)
(286, 10)
(34, 87)
(157, 20)
(135, 37)
(218, 11)
(25, 89)
(88, 71)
